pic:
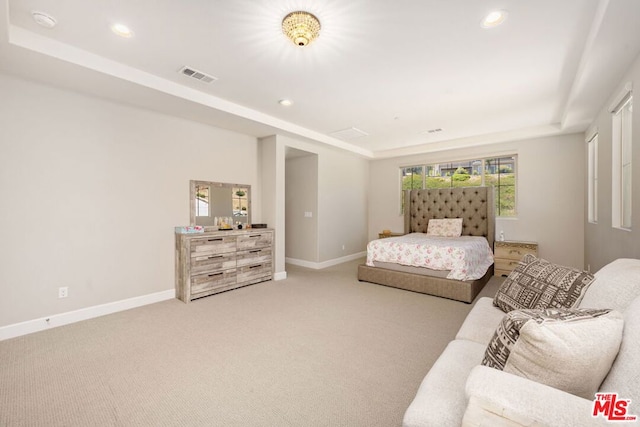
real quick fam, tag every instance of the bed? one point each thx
(474, 205)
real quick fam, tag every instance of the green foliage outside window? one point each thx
(495, 172)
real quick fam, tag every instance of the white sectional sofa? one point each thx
(458, 390)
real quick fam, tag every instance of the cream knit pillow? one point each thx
(568, 349)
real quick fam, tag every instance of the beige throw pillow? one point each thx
(568, 349)
(448, 227)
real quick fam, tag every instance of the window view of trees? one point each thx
(495, 172)
(202, 200)
(240, 201)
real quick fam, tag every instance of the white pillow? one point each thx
(568, 349)
(449, 227)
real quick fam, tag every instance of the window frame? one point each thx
(592, 179)
(483, 168)
(622, 146)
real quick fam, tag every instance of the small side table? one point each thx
(382, 235)
(508, 253)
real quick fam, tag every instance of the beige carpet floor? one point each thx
(316, 349)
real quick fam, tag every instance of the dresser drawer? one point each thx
(514, 251)
(254, 273)
(212, 245)
(254, 256)
(255, 240)
(209, 262)
(205, 283)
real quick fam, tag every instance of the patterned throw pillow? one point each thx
(537, 283)
(566, 348)
(449, 227)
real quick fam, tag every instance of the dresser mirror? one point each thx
(216, 203)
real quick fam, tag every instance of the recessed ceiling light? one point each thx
(494, 19)
(43, 19)
(122, 30)
(285, 102)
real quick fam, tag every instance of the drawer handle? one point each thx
(215, 274)
(256, 235)
(256, 266)
(215, 256)
(219, 239)
(256, 251)
(514, 251)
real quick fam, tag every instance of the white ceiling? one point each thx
(393, 69)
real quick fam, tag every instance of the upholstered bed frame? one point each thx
(474, 205)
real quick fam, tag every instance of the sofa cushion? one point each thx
(568, 349)
(537, 283)
(624, 376)
(481, 322)
(441, 400)
(615, 286)
(500, 399)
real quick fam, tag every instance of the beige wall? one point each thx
(272, 163)
(603, 243)
(301, 196)
(91, 191)
(343, 183)
(342, 190)
(550, 193)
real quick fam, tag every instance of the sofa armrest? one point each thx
(497, 398)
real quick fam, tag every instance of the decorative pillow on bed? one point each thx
(566, 348)
(537, 283)
(450, 227)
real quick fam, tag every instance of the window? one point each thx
(621, 154)
(592, 184)
(240, 201)
(494, 172)
(412, 179)
(202, 200)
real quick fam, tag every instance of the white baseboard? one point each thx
(36, 325)
(325, 264)
(280, 276)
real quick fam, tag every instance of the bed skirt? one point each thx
(464, 291)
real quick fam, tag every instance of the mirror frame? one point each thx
(192, 198)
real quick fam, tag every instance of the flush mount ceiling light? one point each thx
(301, 27)
(494, 19)
(43, 19)
(122, 30)
(285, 102)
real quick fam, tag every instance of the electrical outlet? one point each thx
(63, 292)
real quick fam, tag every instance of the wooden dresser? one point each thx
(507, 254)
(216, 261)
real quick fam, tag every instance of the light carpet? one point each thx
(316, 349)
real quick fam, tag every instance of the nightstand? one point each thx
(507, 254)
(382, 235)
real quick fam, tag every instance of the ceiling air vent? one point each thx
(348, 134)
(198, 75)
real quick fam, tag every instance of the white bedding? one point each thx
(468, 257)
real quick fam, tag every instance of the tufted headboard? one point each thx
(473, 204)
